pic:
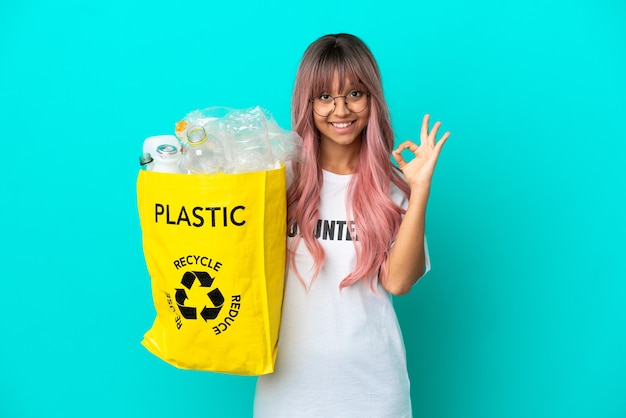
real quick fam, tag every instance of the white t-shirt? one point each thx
(340, 352)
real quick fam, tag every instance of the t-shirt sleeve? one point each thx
(426, 257)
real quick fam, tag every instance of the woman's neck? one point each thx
(340, 159)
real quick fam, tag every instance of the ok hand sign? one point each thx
(419, 171)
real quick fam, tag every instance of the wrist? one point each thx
(419, 196)
(419, 189)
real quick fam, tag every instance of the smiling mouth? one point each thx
(341, 124)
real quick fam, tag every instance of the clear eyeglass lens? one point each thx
(355, 101)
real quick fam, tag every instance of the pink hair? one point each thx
(369, 200)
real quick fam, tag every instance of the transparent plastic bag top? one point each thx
(251, 138)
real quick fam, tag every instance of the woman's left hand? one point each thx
(419, 171)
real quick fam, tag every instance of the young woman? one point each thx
(356, 235)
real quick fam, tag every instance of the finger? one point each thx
(433, 133)
(424, 131)
(398, 157)
(442, 141)
(410, 145)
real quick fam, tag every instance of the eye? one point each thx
(355, 94)
(325, 98)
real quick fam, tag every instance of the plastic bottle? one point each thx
(167, 159)
(151, 143)
(202, 152)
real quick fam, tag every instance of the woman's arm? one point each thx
(407, 257)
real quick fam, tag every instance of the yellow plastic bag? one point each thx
(215, 250)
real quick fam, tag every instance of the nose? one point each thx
(341, 108)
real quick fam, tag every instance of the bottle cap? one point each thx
(166, 150)
(145, 159)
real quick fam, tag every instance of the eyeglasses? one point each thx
(355, 101)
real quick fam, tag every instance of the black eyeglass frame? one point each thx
(345, 101)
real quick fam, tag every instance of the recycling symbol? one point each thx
(216, 299)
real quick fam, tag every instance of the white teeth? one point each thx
(342, 125)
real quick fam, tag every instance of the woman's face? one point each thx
(342, 127)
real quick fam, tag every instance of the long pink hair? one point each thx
(376, 217)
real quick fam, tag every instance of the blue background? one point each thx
(524, 312)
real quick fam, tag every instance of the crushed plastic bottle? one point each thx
(251, 138)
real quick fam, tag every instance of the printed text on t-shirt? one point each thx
(329, 230)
